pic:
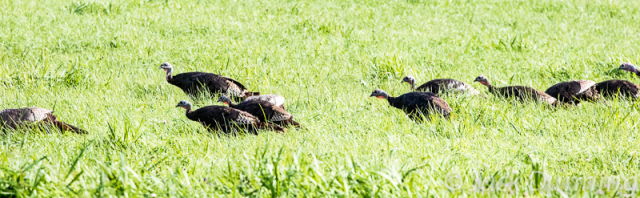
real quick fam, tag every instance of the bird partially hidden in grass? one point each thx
(192, 83)
(274, 99)
(416, 104)
(630, 68)
(573, 92)
(520, 93)
(15, 118)
(618, 88)
(227, 119)
(263, 110)
(440, 86)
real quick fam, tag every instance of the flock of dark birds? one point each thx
(267, 112)
(424, 101)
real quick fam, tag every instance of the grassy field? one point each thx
(96, 64)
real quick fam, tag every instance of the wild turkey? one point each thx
(265, 111)
(611, 88)
(416, 103)
(572, 92)
(439, 86)
(630, 68)
(14, 118)
(270, 98)
(193, 82)
(226, 119)
(520, 93)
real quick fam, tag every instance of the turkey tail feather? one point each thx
(296, 124)
(267, 126)
(277, 128)
(67, 127)
(288, 122)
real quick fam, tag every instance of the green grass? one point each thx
(96, 64)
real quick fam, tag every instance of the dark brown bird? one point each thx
(615, 88)
(226, 119)
(265, 111)
(276, 100)
(520, 93)
(630, 68)
(415, 104)
(14, 118)
(439, 86)
(194, 82)
(572, 92)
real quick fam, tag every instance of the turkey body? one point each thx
(227, 119)
(416, 103)
(14, 118)
(446, 85)
(613, 88)
(194, 82)
(267, 112)
(276, 100)
(522, 93)
(573, 92)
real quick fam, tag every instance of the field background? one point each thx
(96, 64)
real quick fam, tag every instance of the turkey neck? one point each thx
(395, 102)
(233, 105)
(169, 72)
(188, 111)
(492, 89)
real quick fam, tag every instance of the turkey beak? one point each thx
(371, 95)
(177, 106)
